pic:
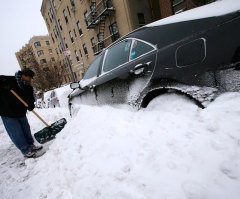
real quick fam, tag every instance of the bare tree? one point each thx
(49, 75)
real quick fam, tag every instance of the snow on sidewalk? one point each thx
(172, 150)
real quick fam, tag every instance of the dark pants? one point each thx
(19, 131)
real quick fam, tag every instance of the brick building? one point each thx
(87, 26)
(39, 49)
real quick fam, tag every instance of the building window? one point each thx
(69, 11)
(113, 31)
(72, 3)
(94, 47)
(65, 15)
(48, 43)
(65, 42)
(52, 59)
(52, 38)
(86, 18)
(47, 22)
(71, 36)
(36, 44)
(40, 52)
(75, 33)
(178, 6)
(113, 28)
(60, 49)
(77, 57)
(85, 50)
(49, 17)
(56, 51)
(80, 53)
(79, 28)
(50, 51)
(141, 19)
(51, 11)
(60, 25)
(55, 33)
(43, 61)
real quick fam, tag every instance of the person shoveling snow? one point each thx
(17, 97)
(13, 112)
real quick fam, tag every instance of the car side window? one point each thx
(139, 48)
(117, 55)
(93, 69)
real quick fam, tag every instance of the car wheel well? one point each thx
(151, 95)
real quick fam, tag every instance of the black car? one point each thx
(195, 58)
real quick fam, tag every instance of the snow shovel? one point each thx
(49, 132)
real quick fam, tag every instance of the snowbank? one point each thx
(172, 150)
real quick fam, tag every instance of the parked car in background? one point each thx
(53, 100)
(191, 54)
(39, 103)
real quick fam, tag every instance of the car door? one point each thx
(126, 70)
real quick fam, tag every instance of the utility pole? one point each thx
(62, 44)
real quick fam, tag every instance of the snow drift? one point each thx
(172, 150)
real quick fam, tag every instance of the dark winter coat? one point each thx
(10, 106)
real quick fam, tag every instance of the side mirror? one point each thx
(74, 85)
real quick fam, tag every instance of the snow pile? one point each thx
(172, 150)
(218, 8)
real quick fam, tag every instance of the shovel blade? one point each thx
(49, 133)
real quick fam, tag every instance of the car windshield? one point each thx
(93, 69)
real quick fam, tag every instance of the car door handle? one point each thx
(139, 68)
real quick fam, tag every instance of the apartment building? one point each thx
(86, 27)
(80, 29)
(39, 49)
(25, 57)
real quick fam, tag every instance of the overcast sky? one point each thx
(19, 21)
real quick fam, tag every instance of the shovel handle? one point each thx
(26, 105)
(40, 118)
(17, 96)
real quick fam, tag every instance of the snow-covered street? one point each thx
(170, 150)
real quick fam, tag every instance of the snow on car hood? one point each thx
(218, 8)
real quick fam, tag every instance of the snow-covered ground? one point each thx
(170, 150)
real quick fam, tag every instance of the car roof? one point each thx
(169, 34)
(214, 9)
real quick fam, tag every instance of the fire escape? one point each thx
(97, 19)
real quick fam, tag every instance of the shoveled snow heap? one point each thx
(171, 150)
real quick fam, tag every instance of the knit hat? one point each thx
(27, 72)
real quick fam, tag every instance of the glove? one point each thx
(30, 108)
